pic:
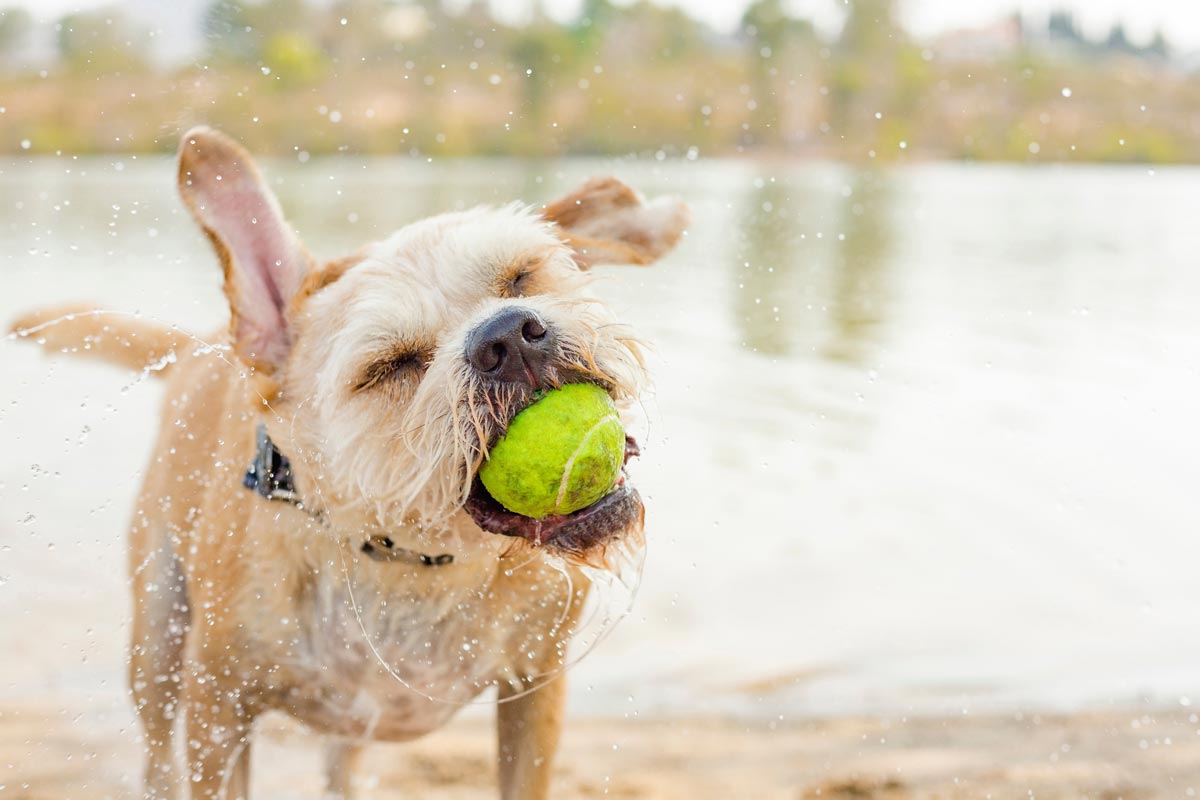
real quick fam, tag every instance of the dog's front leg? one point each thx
(528, 729)
(341, 756)
(218, 738)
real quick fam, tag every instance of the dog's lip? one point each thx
(606, 519)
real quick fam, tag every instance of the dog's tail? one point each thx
(118, 338)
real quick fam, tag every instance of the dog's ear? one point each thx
(606, 222)
(264, 262)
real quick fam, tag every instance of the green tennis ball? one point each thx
(559, 455)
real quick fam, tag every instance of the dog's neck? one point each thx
(270, 476)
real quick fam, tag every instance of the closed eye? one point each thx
(520, 278)
(400, 364)
(518, 284)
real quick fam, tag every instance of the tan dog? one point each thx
(354, 578)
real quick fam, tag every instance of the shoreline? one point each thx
(1136, 752)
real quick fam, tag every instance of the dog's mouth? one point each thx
(576, 533)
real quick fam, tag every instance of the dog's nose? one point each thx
(514, 346)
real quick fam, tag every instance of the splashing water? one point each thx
(613, 588)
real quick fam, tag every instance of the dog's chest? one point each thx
(384, 663)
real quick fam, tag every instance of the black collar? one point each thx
(270, 476)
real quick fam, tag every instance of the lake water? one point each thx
(921, 440)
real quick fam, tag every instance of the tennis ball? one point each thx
(559, 455)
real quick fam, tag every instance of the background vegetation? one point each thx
(384, 76)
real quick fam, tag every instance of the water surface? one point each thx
(920, 439)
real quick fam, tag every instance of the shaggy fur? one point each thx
(357, 370)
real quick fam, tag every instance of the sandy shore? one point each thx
(1135, 753)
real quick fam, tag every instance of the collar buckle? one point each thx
(270, 476)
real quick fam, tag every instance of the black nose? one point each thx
(514, 346)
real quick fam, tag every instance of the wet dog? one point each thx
(357, 576)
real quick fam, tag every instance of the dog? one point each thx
(357, 576)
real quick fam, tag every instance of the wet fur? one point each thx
(242, 605)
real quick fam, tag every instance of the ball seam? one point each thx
(565, 481)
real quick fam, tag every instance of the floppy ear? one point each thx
(264, 262)
(609, 223)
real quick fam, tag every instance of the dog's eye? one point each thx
(398, 365)
(519, 278)
(518, 284)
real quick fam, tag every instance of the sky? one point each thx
(1180, 19)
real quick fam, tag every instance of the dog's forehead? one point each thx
(465, 250)
(436, 274)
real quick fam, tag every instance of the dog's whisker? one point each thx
(403, 435)
(367, 412)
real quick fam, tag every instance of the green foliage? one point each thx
(101, 42)
(15, 25)
(402, 76)
(293, 58)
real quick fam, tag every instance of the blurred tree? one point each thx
(356, 30)
(866, 72)
(239, 31)
(626, 76)
(1158, 46)
(775, 38)
(592, 24)
(598, 12)
(667, 33)
(15, 25)
(539, 52)
(293, 58)
(640, 35)
(1061, 26)
(101, 41)
(229, 32)
(1118, 40)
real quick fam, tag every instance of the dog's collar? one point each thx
(270, 476)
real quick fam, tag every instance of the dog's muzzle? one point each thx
(604, 521)
(513, 346)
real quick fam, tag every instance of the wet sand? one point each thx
(1133, 753)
